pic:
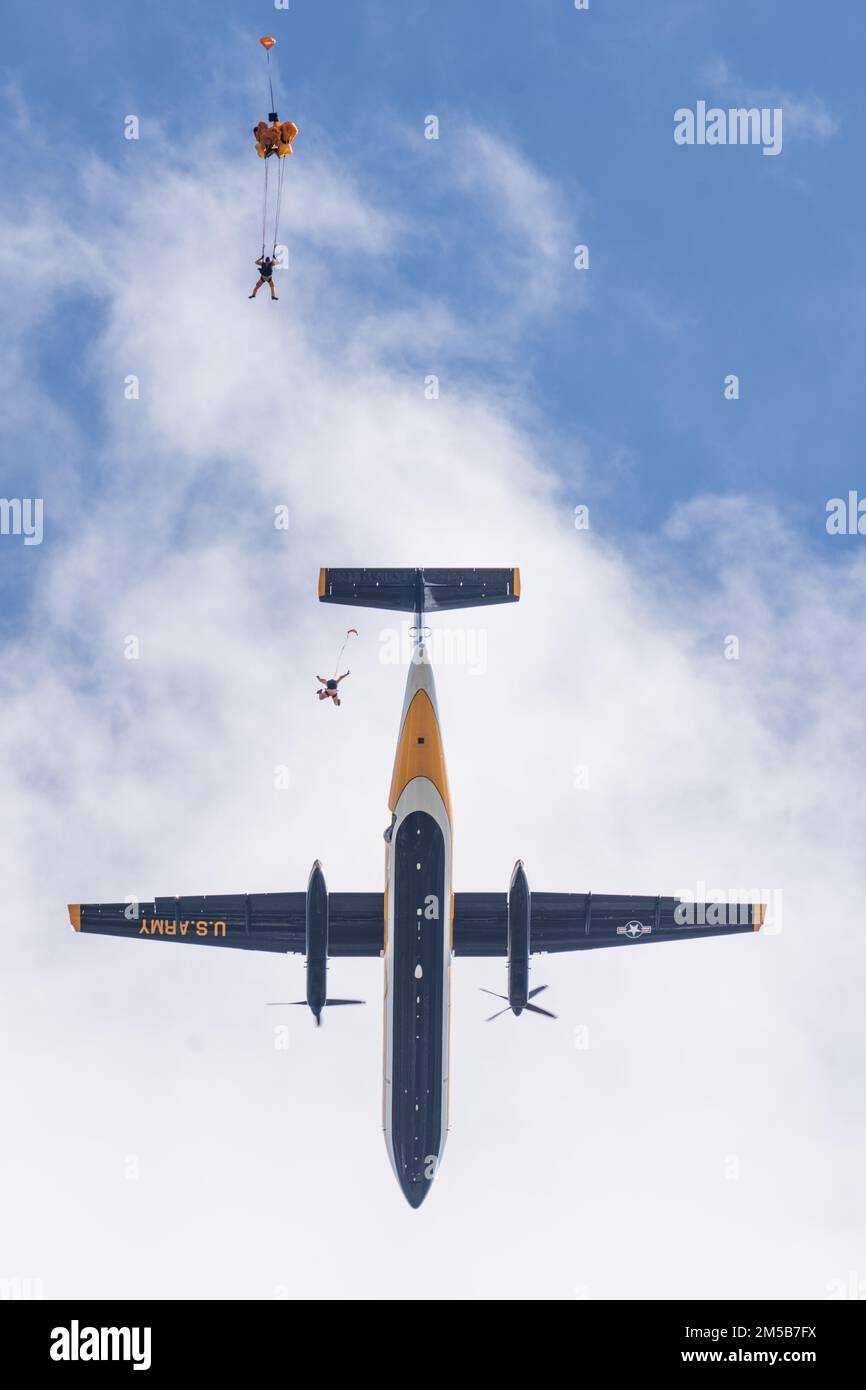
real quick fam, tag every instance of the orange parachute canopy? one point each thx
(274, 139)
(266, 42)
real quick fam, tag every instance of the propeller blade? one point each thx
(537, 990)
(283, 1003)
(536, 1010)
(493, 992)
(329, 1002)
(506, 1010)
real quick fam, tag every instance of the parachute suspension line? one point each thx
(265, 210)
(353, 632)
(270, 78)
(279, 202)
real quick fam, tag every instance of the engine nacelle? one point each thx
(316, 928)
(316, 934)
(519, 913)
(519, 996)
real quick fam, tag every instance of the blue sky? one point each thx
(703, 261)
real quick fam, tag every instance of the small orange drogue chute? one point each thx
(266, 42)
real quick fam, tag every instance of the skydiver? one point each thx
(330, 687)
(266, 270)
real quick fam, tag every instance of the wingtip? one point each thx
(75, 915)
(758, 912)
(321, 582)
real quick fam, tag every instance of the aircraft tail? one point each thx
(419, 590)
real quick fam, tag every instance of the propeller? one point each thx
(283, 1003)
(533, 1008)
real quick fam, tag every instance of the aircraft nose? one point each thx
(415, 1189)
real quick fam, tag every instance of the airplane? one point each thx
(419, 923)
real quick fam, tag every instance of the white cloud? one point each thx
(263, 1168)
(536, 251)
(806, 116)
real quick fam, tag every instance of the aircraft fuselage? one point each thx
(418, 939)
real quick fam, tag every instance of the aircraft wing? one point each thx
(583, 921)
(277, 921)
(245, 921)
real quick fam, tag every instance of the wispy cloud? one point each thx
(531, 208)
(806, 116)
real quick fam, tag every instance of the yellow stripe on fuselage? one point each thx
(420, 752)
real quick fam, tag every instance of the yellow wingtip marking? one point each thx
(321, 582)
(75, 915)
(760, 910)
(517, 583)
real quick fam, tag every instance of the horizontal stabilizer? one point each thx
(419, 590)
